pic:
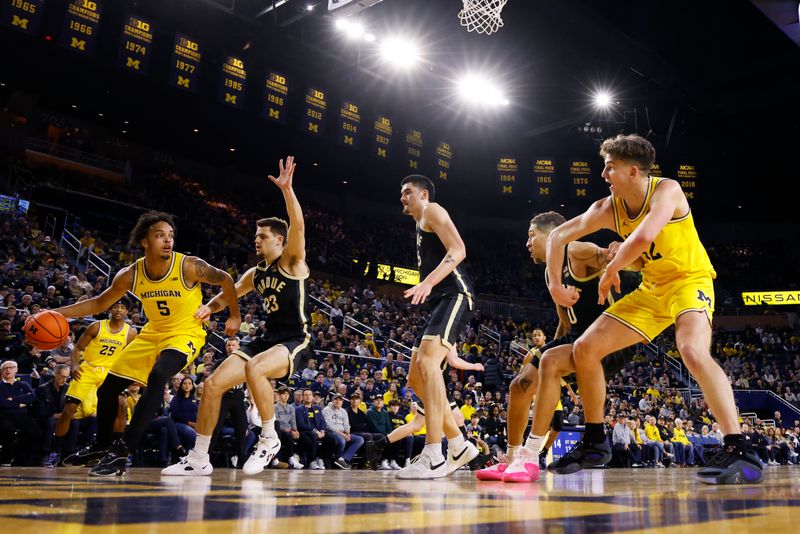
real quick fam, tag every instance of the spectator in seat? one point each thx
(312, 428)
(286, 426)
(684, 452)
(345, 444)
(11, 346)
(16, 397)
(50, 398)
(380, 423)
(183, 410)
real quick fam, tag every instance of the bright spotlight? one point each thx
(342, 24)
(369, 37)
(479, 90)
(310, 7)
(399, 52)
(356, 30)
(602, 99)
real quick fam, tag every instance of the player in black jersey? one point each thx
(445, 285)
(543, 368)
(280, 277)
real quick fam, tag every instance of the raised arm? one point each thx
(196, 271)
(438, 220)
(88, 335)
(122, 283)
(598, 216)
(293, 259)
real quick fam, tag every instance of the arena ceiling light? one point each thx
(602, 99)
(479, 90)
(352, 29)
(400, 52)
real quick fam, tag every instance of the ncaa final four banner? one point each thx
(349, 125)
(686, 175)
(580, 173)
(81, 23)
(544, 172)
(233, 83)
(276, 97)
(136, 45)
(23, 15)
(383, 138)
(507, 175)
(444, 160)
(186, 57)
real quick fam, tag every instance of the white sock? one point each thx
(456, 443)
(534, 443)
(201, 444)
(512, 451)
(268, 427)
(434, 452)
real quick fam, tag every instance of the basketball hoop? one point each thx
(482, 16)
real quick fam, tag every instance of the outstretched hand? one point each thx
(284, 179)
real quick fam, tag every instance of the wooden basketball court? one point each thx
(65, 500)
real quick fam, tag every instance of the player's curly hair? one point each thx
(548, 220)
(633, 148)
(276, 225)
(421, 182)
(146, 220)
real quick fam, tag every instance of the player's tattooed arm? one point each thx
(203, 272)
(449, 259)
(200, 271)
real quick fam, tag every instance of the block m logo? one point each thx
(382, 153)
(442, 175)
(183, 82)
(313, 127)
(79, 44)
(274, 114)
(230, 99)
(134, 64)
(508, 189)
(19, 22)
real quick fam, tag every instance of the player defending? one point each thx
(653, 217)
(168, 284)
(99, 345)
(280, 278)
(440, 253)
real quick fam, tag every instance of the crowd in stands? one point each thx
(355, 390)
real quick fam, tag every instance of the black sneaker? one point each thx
(341, 463)
(734, 464)
(584, 454)
(375, 453)
(88, 456)
(543, 460)
(115, 462)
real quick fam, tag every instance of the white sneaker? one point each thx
(456, 460)
(262, 455)
(384, 466)
(394, 465)
(320, 464)
(659, 465)
(294, 462)
(422, 467)
(190, 465)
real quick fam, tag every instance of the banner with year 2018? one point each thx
(414, 143)
(507, 175)
(686, 175)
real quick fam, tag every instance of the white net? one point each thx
(482, 16)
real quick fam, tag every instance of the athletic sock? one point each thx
(434, 452)
(735, 439)
(201, 445)
(594, 433)
(534, 443)
(456, 443)
(512, 451)
(268, 428)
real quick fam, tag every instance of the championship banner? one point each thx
(135, 46)
(233, 83)
(186, 56)
(544, 171)
(507, 174)
(687, 177)
(771, 298)
(383, 138)
(276, 97)
(656, 171)
(579, 175)
(414, 144)
(23, 15)
(314, 114)
(444, 160)
(81, 23)
(349, 125)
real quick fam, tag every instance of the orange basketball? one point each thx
(46, 330)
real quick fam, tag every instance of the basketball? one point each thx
(46, 330)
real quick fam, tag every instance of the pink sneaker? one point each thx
(492, 473)
(521, 471)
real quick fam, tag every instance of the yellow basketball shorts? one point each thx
(649, 311)
(139, 356)
(91, 377)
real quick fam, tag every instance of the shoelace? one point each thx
(723, 457)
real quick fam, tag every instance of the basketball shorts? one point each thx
(298, 344)
(421, 408)
(449, 315)
(91, 378)
(649, 311)
(558, 420)
(567, 339)
(138, 357)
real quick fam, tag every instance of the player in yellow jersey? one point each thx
(653, 217)
(99, 345)
(168, 285)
